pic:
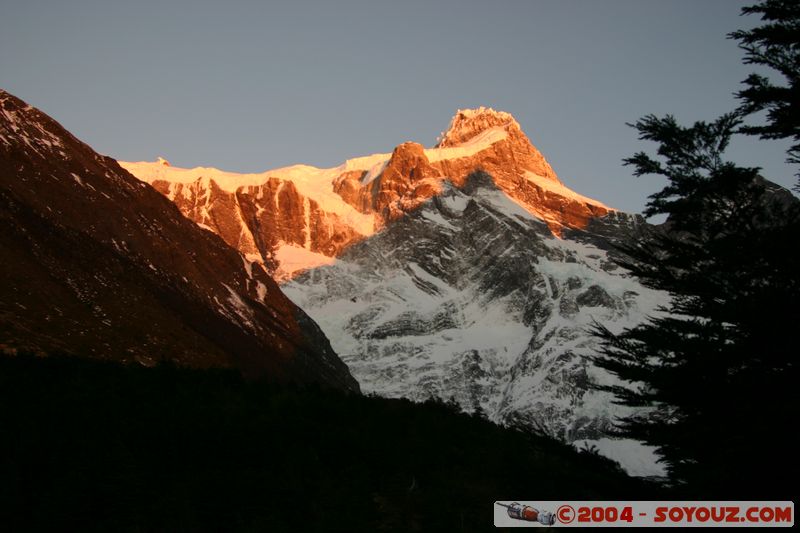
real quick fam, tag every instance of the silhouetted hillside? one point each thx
(89, 445)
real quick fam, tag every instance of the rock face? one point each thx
(98, 264)
(285, 219)
(405, 181)
(258, 219)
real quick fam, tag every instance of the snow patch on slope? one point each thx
(636, 458)
(471, 147)
(557, 188)
(293, 258)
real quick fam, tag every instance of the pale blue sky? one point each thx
(248, 86)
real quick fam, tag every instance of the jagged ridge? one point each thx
(298, 217)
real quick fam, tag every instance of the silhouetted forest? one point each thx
(95, 446)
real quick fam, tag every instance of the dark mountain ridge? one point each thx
(97, 263)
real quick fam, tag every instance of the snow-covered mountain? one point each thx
(465, 271)
(471, 297)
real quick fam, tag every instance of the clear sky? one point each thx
(254, 85)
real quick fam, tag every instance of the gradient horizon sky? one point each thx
(250, 86)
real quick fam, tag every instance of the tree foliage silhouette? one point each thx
(776, 45)
(716, 369)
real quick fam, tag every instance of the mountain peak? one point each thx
(467, 124)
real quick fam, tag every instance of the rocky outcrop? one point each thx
(407, 180)
(98, 264)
